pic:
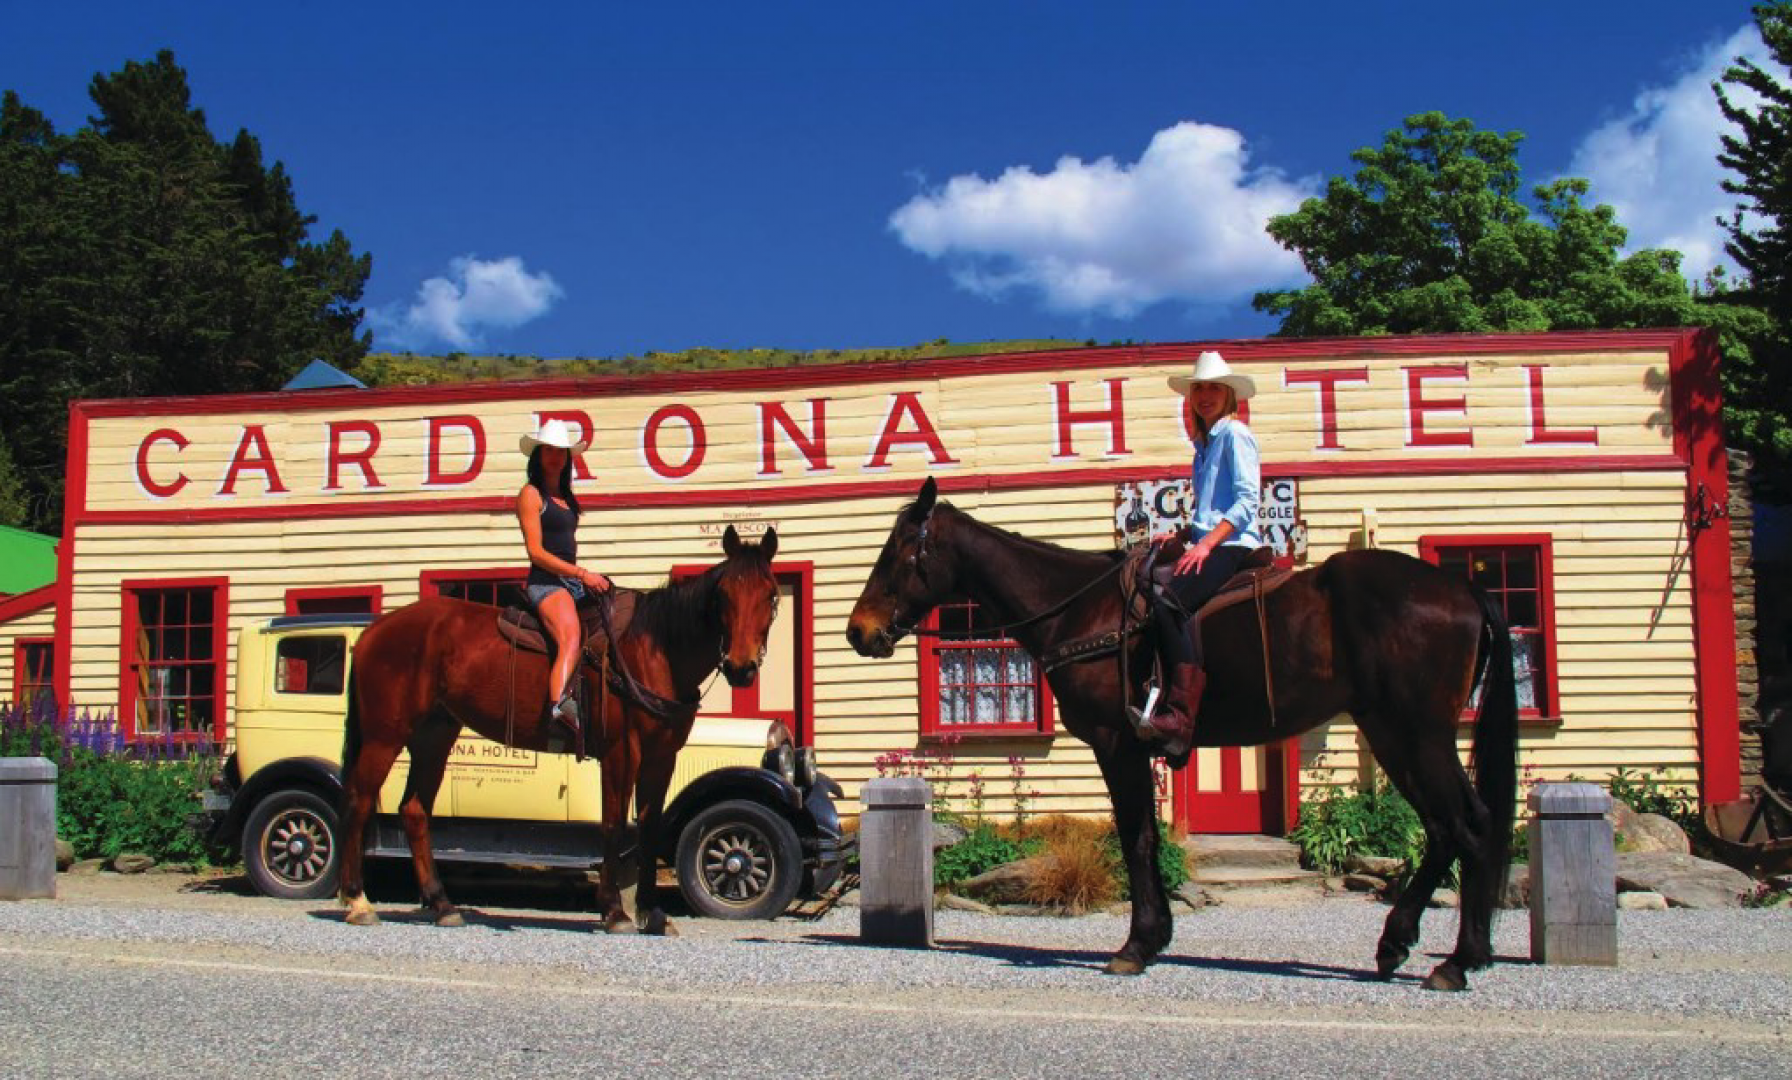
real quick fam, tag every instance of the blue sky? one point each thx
(603, 178)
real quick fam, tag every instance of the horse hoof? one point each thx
(1121, 965)
(1447, 977)
(450, 918)
(658, 925)
(363, 917)
(621, 926)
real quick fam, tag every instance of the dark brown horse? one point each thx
(1396, 643)
(426, 670)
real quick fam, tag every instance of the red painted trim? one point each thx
(127, 632)
(19, 644)
(1698, 435)
(948, 483)
(371, 593)
(429, 582)
(74, 506)
(22, 604)
(1244, 351)
(1548, 710)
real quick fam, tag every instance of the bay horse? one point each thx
(423, 672)
(1390, 640)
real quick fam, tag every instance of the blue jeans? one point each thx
(538, 593)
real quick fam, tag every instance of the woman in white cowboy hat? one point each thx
(1222, 534)
(549, 514)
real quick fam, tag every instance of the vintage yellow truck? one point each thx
(750, 820)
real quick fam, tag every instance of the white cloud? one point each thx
(477, 294)
(1184, 223)
(1657, 164)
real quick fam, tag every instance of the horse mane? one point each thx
(672, 610)
(1044, 548)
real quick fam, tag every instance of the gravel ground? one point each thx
(1728, 966)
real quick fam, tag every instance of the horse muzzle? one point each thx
(877, 642)
(740, 675)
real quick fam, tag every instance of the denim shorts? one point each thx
(538, 593)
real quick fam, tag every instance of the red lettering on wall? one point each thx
(256, 440)
(1417, 405)
(581, 422)
(1114, 416)
(650, 441)
(813, 447)
(361, 459)
(1327, 380)
(440, 425)
(1540, 432)
(906, 404)
(154, 487)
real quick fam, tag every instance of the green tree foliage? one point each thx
(139, 256)
(1759, 152)
(1430, 236)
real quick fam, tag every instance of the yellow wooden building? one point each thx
(1575, 472)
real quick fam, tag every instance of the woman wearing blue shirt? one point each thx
(1222, 533)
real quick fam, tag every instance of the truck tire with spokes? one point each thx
(739, 860)
(289, 845)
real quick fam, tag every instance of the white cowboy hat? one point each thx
(553, 433)
(1211, 367)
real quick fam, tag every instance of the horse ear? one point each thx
(731, 542)
(768, 544)
(924, 500)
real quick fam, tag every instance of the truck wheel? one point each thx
(739, 860)
(289, 846)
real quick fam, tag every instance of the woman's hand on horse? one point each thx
(593, 580)
(1193, 558)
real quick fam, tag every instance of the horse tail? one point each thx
(351, 731)
(1495, 744)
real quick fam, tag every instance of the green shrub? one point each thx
(982, 850)
(114, 796)
(1373, 821)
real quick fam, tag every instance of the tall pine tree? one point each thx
(141, 256)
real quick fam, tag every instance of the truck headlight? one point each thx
(785, 763)
(806, 768)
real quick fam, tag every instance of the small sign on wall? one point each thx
(1154, 506)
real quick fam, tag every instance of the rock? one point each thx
(1006, 884)
(1684, 880)
(1379, 866)
(1364, 883)
(132, 862)
(65, 855)
(1191, 894)
(947, 833)
(1335, 884)
(87, 866)
(1621, 816)
(1653, 832)
(1642, 901)
(954, 902)
(1517, 893)
(1445, 898)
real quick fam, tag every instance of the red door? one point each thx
(1233, 789)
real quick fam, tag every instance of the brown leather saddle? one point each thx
(601, 618)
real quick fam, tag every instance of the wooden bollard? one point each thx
(896, 863)
(27, 829)
(1574, 892)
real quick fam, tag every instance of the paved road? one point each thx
(205, 982)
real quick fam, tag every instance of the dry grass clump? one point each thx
(1077, 871)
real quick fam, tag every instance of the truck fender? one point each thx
(733, 782)
(320, 774)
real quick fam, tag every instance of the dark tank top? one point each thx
(558, 524)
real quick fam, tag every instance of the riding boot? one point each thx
(1170, 729)
(565, 712)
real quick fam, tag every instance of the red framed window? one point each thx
(1518, 573)
(501, 587)
(33, 671)
(980, 685)
(173, 657)
(341, 600)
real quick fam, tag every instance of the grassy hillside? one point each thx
(410, 369)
